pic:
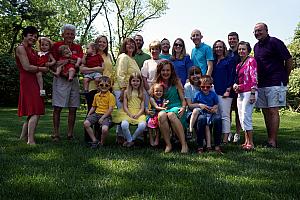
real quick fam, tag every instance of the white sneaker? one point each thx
(230, 137)
(236, 138)
(42, 93)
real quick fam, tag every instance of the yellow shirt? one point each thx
(108, 71)
(126, 66)
(102, 102)
(108, 66)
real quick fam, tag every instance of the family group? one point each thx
(168, 94)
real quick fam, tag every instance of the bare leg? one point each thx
(250, 137)
(71, 120)
(208, 137)
(32, 123)
(89, 130)
(272, 120)
(39, 77)
(178, 129)
(71, 74)
(156, 137)
(24, 133)
(56, 120)
(193, 119)
(58, 71)
(104, 134)
(165, 130)
(86, 84)
(151, 130)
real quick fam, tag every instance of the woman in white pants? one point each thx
(245, 85)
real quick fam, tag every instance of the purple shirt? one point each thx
(270, 55)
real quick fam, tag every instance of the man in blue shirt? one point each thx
(202, 55)
(233, 41)
(274, 64)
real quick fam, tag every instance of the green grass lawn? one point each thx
(71, 170)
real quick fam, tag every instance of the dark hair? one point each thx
(173, 78)
(183, 51)
(30, 30)
(194, 70)
(123, 46)
(247, 45)
(233, 34)
(165, 39)
(97, 41)
(105, 79)
(224, 48)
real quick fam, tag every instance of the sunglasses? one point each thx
(104, 85)
(205, 86)
(178, 45)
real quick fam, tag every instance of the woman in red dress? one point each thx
(31, 104)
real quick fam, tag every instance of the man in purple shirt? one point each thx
(274, 64)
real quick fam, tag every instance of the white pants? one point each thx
(245, 109)
(224, 110)
(125, 128)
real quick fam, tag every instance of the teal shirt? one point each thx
(166, 57)
(140, 58)
(200, 56)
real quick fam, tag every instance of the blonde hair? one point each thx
(151, 91)
(39, 42)
(62, 48)
(140, 89)
(154, 44)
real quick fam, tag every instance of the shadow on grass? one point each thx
(69, 170)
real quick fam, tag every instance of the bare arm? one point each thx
(146, 85)
(153, 103)
(92, 110)
(289, 65)
(51, 62)
(209, 67)
(125, 104)
(21, 54)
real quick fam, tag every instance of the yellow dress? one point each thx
(134, 106)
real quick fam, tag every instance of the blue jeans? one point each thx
(216, 126)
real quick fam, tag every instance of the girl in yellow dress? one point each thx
(133, 109)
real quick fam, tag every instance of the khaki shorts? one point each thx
(64, 93)
(271, 97)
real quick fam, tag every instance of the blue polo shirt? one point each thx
(200, 56)
(209, 99)
(270, 55)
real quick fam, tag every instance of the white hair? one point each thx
(68, 27)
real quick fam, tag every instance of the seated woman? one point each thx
(175, 112)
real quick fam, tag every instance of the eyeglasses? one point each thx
(104, 85)
(178, 45)
(205, 86)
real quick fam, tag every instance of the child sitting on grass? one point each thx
(208, 105)
(102, 107)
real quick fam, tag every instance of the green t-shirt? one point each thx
(140, 58)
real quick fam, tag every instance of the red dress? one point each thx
(43, 58)
(30, 101)
(69, 65)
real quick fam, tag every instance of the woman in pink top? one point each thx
(246, 85)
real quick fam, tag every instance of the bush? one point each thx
(294, 90)
(9, 80)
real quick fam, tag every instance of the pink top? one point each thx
(247, 75)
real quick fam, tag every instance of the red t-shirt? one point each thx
(94, 61)
(75, 48)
